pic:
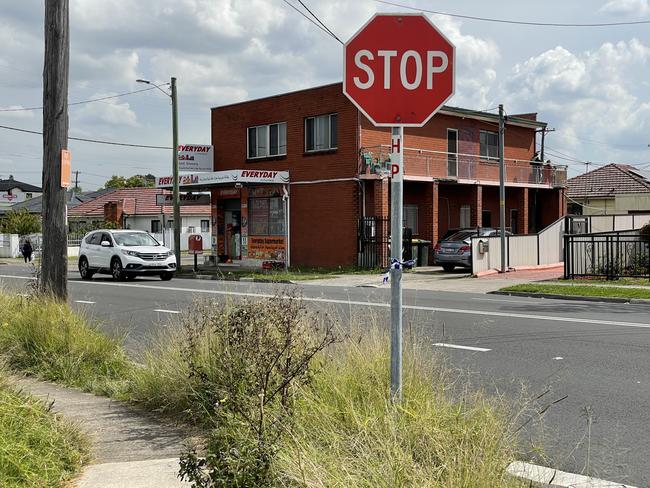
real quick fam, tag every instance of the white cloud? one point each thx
(587, 95)
(107, 112)
(626, 8)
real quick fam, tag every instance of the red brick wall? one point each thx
(230, 124)
(324, 224)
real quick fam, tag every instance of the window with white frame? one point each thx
(489, 142)
(321, 132)
(205, 226)
(267, 140)
(410, 218)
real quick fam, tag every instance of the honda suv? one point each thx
(124, 254)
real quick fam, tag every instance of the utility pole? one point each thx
(541, 150)
(502, 189)
(76, 181)
(176, 195)
(396, 205)
(54, 265)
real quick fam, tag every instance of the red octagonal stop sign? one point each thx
(398, 69)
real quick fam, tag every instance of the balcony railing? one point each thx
(464, 168)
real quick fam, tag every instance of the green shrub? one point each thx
(46, 338)
(37, 448)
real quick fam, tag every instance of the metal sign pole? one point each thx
(397, 182)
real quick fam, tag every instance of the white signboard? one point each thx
(225, 177)
(6, 198)
(195, 157)
(185, 199)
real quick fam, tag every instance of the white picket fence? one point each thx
(546, 247)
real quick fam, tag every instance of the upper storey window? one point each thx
(489, 144)
(267, 140)
(321, 133)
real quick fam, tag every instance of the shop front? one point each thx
(250, 215)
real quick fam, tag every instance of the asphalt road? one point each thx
(591, 358)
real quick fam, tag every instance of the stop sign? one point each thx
(398, 69)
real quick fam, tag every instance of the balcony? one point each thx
(461, 168)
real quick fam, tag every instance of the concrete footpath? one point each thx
(434, 279)
(130, 448)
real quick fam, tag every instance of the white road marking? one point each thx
(85, 301)
(502, 300)
(558, 358)
(162, 310)
(487, 313)
(456, 346)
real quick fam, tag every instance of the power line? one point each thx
(24, 109)
(518, 22)
(310, 19)
(320, 22)
(96, 141)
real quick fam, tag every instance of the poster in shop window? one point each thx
(266, 247)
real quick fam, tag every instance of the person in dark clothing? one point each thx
(27, 251)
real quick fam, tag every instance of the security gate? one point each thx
(373, 242)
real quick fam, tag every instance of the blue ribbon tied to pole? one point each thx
(397, 264)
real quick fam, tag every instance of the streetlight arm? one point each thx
(139, 80)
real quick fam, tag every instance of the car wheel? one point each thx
(448, 267)
(166, 276)
(84, 269)
(116, 270)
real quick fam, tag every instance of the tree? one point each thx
(20, 222)
(135, 181)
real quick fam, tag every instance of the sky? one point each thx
(591, 85)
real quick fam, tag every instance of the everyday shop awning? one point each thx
(203, 181)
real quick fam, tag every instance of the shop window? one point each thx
(266, 217)
(489, 144)
(205, 226)
(191, 229)
(465, 216)
(267, 140)
(321, 133)
(410, 218)
(156, 227)
(170, 224)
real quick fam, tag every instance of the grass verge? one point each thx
(294, 274)
(37, 448)
(581, 290)
(343, 430)
(47, 339)
(347, 433)
(602, 281)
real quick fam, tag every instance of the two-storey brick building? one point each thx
(337, 171)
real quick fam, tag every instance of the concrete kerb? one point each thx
(541, 476)
(579, 298)
(211, 277)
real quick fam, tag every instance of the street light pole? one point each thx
(175, 192)
(176, 195)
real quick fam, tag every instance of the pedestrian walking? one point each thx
(27, 250)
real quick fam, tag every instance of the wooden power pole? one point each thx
(54, 263)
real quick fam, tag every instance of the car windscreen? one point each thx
(134, 239)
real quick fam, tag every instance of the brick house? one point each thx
(336, 162)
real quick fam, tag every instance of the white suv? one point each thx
(124, 254)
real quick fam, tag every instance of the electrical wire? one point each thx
(320, 22)
(310, 19)
(96, 141)
(517, 22)
(24, 109)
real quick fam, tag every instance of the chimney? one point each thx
(113, 212)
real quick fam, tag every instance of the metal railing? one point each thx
(607, 255)
(462, 167)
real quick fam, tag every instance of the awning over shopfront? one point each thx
(206, 181)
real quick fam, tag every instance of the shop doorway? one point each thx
(232, 229)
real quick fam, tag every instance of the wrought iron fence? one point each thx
(373, 242)
(607, 255)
